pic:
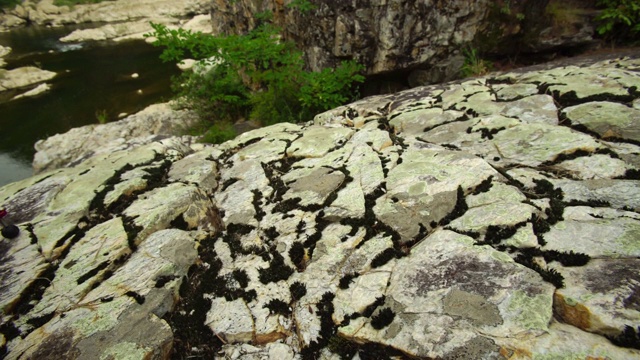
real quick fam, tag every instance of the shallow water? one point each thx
(91, 79)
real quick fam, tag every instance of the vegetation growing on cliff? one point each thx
(256, 76)
(620, 19)
(4, 4)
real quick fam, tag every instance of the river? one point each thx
(92, 78)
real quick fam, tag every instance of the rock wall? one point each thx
(492, 218)
(395, 35)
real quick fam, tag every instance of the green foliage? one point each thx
(474, 65)
(303, 6)
(256, 75)
(619, 19)
(219, 133)
(102, 116)
(6, 4)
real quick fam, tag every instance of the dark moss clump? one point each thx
(257, 204)
(137, 297)
(486, 133)
(545, 188)
(228, 183)
(383, 319)
(631, 174)
(241, 277)
(161, 281)
(629, 338)
(41, 320)
(495, 234)
(93, 272)
(180, 223)
(276, 271)
(549, 275)
(383, 257)
(369, 310)
(187, 321)
(271, 233)
(297, 290)
(460, 208)
(327, 327)
(566, 258)
(346, 280)
(232, 237)
(484, 186)
(296, 254)
(277, 306)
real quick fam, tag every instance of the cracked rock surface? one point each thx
(494, 218)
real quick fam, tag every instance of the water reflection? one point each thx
(91, 79)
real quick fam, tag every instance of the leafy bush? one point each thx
(256, 75)
(620, 19)
(6, 4)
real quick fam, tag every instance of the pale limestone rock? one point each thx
(23, 76)
(536, 109)
(158, 120)
(534, 144)
(616, 193)
(436, 289)
(600, 297)
(33, 92)
(607, 119)
(317, 141)
(515, 91)
(588, 228)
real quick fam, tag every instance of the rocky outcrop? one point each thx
(491, 218)
(129, 19)
(407, 35)
(78, 144)
(23, 77)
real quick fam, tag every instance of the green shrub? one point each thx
(256, 75)
(620, 19)
(8, 4)
(474, 65)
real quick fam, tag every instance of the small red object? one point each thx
(3, 213)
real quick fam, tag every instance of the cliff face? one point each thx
(390, 35)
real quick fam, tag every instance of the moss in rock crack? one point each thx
(132, 230)
(93, 272)
(188, 319)
(272, 171)
(241, 277)
(161, 281)
(483, 187)
(276, 271)
(297, 255)
(180, 223)
(630, 174)
(297, 290)
(549, 275)
(277, 306)
(32, 294)
(41, 320)
(383, 319)
(629, 338)
(346, 280)
(271, 233)
(228, 183)
(232, 236)
(327, 327)
(384, 257)
(459, 209)
(137, 297)
(257, 204)
(495, 234)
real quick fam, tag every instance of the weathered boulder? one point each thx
(23, 77)
(467, 220)
(44, 12)
(79, 144)
(423, 39)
